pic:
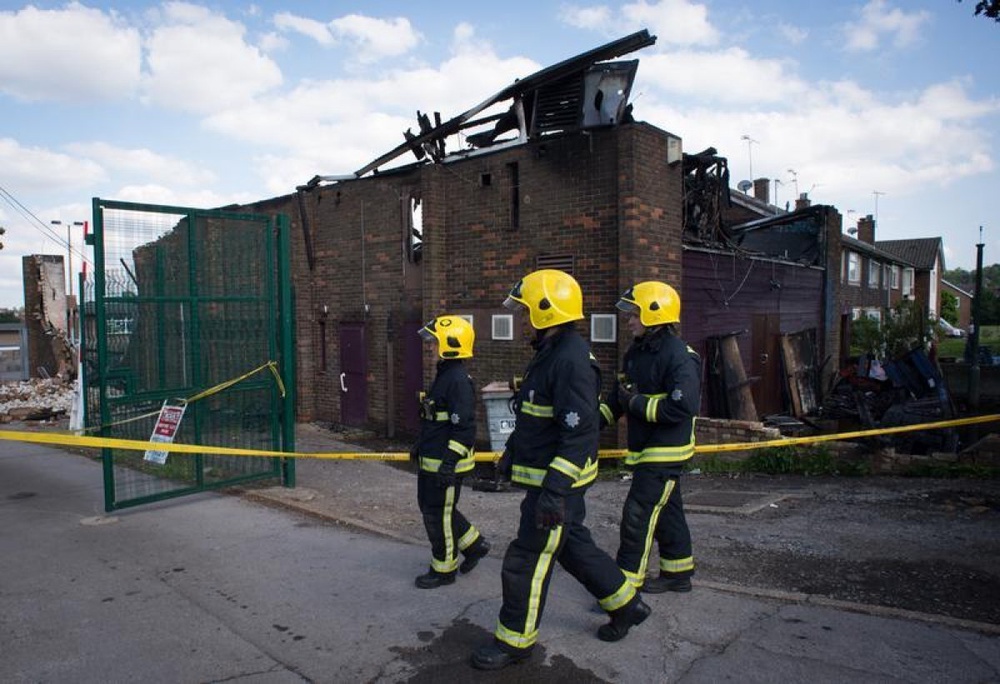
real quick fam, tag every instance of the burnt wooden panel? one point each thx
(722, 292)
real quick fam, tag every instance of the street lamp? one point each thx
(750, 142)
(69, 249)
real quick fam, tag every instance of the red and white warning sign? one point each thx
(167, 425)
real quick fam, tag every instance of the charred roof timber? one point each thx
(580, 92)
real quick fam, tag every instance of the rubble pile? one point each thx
(36, 399)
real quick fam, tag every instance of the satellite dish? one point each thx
(744, 185)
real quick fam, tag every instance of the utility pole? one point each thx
(974, 337)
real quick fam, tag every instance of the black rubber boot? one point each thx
(496, 656)
(666, 582)
(433, 579)
(473, 555)
(624, 619)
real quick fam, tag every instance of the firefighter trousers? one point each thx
(528, 565)
(448, 531)
(654, 509)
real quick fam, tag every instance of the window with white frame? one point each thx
(874, 314)
(503, 326)
(886, 276)
(853, 268)
(856, 313)
(603, 328)
(873, 269)
(907, 282)
(895, 277)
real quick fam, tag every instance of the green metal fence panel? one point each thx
(191, 307)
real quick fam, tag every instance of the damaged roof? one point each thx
(579, 92)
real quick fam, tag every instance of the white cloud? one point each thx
(199, 61)
(879, 20)
(793, 34)
(76, 54)
(675, 22)
(144, 163)
(726, 76)
(35, 168)
(376, 38)
(372, 39)
(317, 30)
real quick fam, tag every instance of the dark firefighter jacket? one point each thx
(665, 374)
(448, 419)
(555, 438)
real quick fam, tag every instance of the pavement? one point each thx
(314, 584)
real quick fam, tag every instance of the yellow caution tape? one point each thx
(67, 439)
(271, 365)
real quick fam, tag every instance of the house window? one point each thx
(603, 328)
(895, 277)
(886, 275)
(853, 268)
(856, 313)
(908, 282)
(873, 269)
(874, 314)
(503, 326)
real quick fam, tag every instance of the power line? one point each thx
(40, 225)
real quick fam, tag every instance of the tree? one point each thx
(988, 8)
(949, 307)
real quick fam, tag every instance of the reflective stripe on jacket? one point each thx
(448, 430)
(665, 374)
(555, 438)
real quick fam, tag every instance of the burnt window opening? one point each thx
(415, 231)
(485, 180)
(515, 195)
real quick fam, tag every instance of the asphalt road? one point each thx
(216, 588)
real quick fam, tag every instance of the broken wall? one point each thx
(45, 314)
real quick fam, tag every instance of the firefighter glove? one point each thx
(446, 475)
(626, 394)
(550, 510)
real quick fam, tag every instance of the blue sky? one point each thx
(878, 104)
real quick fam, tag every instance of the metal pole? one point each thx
(974, 338)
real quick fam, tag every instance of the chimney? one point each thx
(803, 201)
(866, 229)
(762, 189)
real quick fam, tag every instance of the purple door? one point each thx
(413, 374)
(353, 375)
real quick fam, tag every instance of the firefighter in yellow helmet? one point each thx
(552, 454)
(444, 452)
(659, 392)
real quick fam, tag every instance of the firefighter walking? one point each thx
(445, 453)
(552, 454)
(659, 392)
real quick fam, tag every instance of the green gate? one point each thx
(191, 309)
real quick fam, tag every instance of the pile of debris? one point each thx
(36, 399)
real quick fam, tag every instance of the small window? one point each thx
(503, 326)
(853, 268)
(856, 313)
(895, 277)
(603, 328)
(874, 314)
(873, 269)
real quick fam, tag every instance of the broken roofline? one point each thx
(551, 74)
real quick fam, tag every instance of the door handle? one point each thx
(343, 387)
